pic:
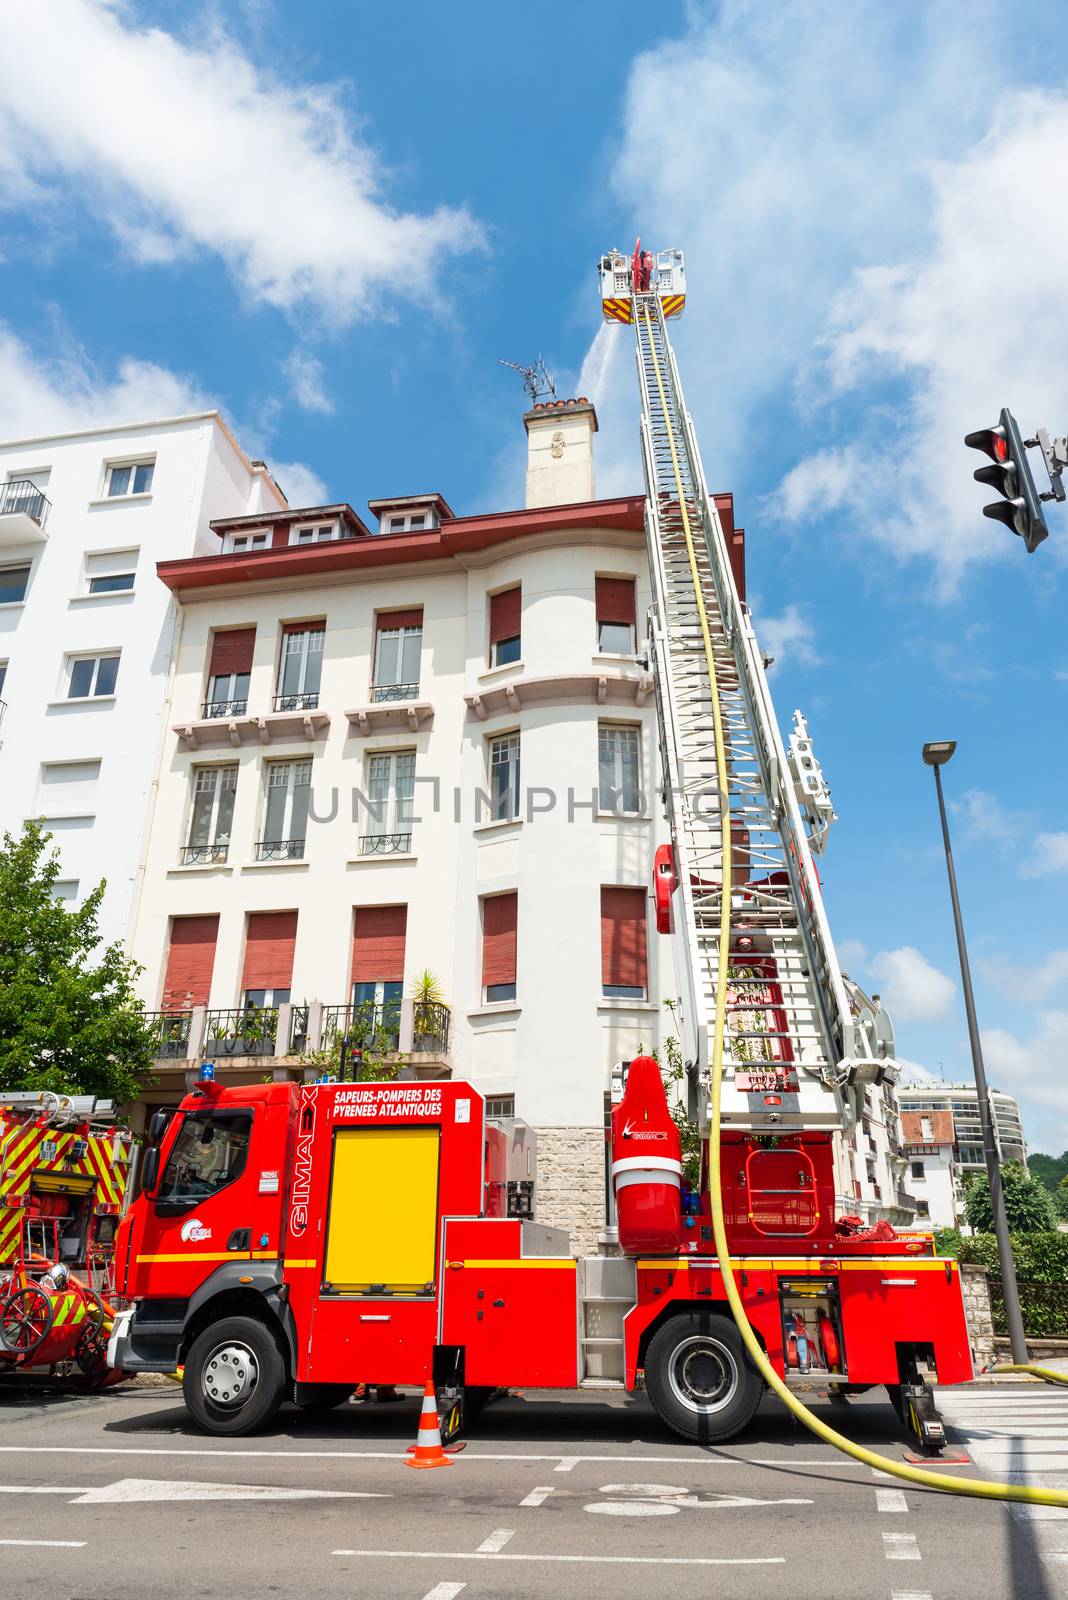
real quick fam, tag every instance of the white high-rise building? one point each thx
(87, 631)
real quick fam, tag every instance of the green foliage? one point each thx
(1060, 1202)
(366, 1032)
(1041, 1275)
(69, 1019)
(1049, 1170)
(1028, 1205)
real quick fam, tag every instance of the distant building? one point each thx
(961, 1100)
(932, 1173)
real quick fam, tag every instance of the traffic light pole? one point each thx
(1013, 1315)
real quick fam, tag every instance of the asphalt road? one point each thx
(115, 1497)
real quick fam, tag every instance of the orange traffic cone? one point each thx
(427, 1451)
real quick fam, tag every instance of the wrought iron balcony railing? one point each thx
(431, 1028)
(381, 692)
(298, 1029)
(297, 702)
(247, 1031)
(280, 850)
(224, 708)
(20, 495)
(170, 1034)
(385, 844)
(367, 1026)
(199, 854)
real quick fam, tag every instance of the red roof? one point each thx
(940, 1122)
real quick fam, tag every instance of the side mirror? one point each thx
(157, 1126)
(150, 1169)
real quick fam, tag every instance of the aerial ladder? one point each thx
(800, 1041)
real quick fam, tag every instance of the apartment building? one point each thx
(415, 743)
(962, 1102)
(87, 630)
(933, 1173)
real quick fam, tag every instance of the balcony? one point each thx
(381, 693)
(225, 722)
(385, 844)
(212, 709)
(280, 850)
(297, 702)
(248, 1031)
(23, 510)
(202, 855)
(170, 1034)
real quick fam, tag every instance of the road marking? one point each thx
(537, 1497)
(890, 1500)
(900, 1547)
(664, 1500)
(50, 1544)
(566, 1463)
(496, 1541)
(445, 1591)
(895, 1594)
(624, 1561)
(130, 1490)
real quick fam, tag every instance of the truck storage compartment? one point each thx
(382, 1218)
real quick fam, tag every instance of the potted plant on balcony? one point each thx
(430, 1015)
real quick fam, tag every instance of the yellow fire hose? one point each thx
(975, 1488)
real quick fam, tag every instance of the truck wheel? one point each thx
(316, 1397)
(235, 1377)
(699, 1379)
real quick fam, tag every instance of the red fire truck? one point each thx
(332, 1234)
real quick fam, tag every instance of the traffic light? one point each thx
(1020, 508)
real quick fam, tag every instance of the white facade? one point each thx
(962, 1101)
(86, 629)
(932, 1173)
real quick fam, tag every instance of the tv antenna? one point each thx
(537, 380)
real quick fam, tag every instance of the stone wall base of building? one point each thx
(570, 1185)
(975, 1286)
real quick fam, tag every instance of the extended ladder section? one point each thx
(796, 1053)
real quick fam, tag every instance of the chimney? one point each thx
(560, 452)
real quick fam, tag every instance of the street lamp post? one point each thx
(936, 755)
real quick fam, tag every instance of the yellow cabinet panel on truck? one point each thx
(382, 1222)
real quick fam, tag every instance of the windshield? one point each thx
(209, 1152)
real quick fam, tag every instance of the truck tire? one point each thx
(699, 1378)
(317, 1397)
(235, 1376)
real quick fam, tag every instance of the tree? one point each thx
(69, 1019)
(1028, 1205)
(1060, 1202)
(1050, 1170)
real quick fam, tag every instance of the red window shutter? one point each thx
(304, 627)
(232, 652)
(500, 913)
(615, 600)
(378, 944)
(412, 618)
(270, 938)
(623, 939)
(505, 612)
(190, 960)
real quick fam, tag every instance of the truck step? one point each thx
(601, 1383)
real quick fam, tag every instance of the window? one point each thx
(500, 1107)
(390, 794)
(285, 822)
(270, 940)
(926, 1128)
(131, 477)
(229, 671)
(111, 571)
(500, 913)
(504, 777)
(624, 973)
(918, 1169)
(213, 814)
(505, 626)
(376, 1008)
(301, 667)
(89, 677)
(323, 534)
(923, 1209)
(619, 769)
(398, 649)
(190, 962)
(68, 788)
(378, 941)
(209, 1153)
(264, 999)
(65, 889)
(615, 615)
(3, 677)
(13, 582)
(409, 522)
(238, 543)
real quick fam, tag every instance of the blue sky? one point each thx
(333, 219)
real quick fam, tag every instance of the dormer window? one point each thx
(319, 533)
(241, 543)
(409, 522)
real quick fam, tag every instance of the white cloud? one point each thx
(788, 637)
(1036, 1071)
(983, 816)
(1034, 982)
(819, 484)
(184, 147)
(913, 1073)
(852, 955)
(912, 989)
(300, 485)
(305, 374)
(1049, 853)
